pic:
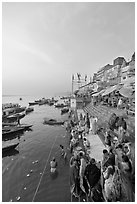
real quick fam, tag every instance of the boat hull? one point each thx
(33, 103)
(53, 122)
(12, 131)
(9, 147)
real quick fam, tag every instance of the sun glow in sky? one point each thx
(45, 43)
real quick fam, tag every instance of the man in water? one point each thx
(53, 165)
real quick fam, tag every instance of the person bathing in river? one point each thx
(53, 165)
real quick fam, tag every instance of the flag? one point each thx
(85, 77)
(79, 75)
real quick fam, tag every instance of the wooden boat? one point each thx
(61, 105)
(42, 103)
(10, 131)
(28, 110)
(52, 122)
(20, 109)
(38, 101)
(64, 110)
(9, 147)
(25, 126)
(9, 105)
(33, 103)
(9, 125)
(51, 103)
(14, 117)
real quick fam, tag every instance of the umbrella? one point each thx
(110, 90)
(100, 92)
(127, 92)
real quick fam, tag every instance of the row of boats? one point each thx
(61, 103)
(10, 131)
(11, 113)
(11, 128)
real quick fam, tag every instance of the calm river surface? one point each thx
(40, 144)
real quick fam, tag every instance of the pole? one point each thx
(72, 87)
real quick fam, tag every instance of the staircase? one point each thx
(103, 114)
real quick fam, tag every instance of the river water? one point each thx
(25, 172)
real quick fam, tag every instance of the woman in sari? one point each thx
(108, 176)
(126, 186)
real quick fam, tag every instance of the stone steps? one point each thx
(103, 114)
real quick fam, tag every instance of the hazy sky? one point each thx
(45, 43)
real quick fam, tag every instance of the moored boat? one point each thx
(33, 103)
(51, 103)
(29, 109)
(60, 105)
(64, 110)
(14, 117)
(25, 126)
(9, 147)
(12, 130)
(52, 122)
(8, 125)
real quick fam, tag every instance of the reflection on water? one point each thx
(54, 175)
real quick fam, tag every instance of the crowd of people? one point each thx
(117, 165)
(114, 100)
(111, 179)
(85, 172)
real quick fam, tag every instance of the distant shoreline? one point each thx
(57, 94)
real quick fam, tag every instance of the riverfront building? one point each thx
(120, 71)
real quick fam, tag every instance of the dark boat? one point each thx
(10, 131)
(20, 109)
(51, 103)
(20, 99)
(9, 124)
(33, 103)
(28, 110)
(38, 101)
(14, 117)
(64, 110)
(41, 103)
(52, 122)
(25, 126)
(10, 153)
(61, 105)
(9, 147)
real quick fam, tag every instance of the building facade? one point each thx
(128, 71)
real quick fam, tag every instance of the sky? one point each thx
(43, 44)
